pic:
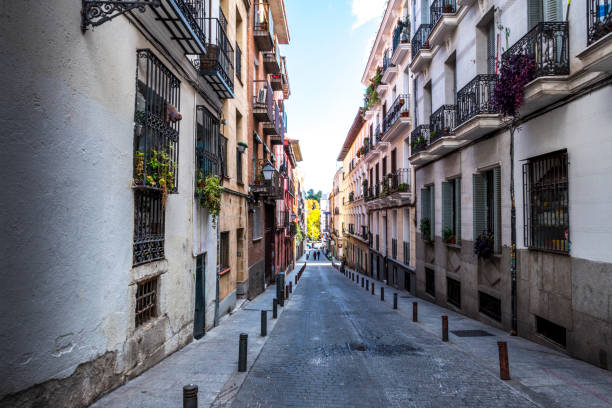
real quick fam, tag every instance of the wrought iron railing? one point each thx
(220, 53)
(401, 35)
(476, 97)
(351, 197)
(419, 41)
(272, 188)
(599, 19)
(364, 232)
(400, 108)
(263, 97)
(261, 16)
(440, 7)
(378, 134)
(400, 180)
(387, 60)
(419, 139)
(149, 227)
(441, 122)
(548, 44)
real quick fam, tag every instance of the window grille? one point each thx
(207, 143)
(257, 222)
(146, 300)
(149, 226)
(224, 251)
(489, 306)
(453, 292)
(546, 203)
(487, 205)
(430, 281)
(156, 124)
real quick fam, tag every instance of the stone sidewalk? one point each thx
(541, 372)
(211, 362)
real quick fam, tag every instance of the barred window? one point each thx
(156, 124)
(546, 200)
(487, 205)
(489, 306)
(146, 300)
(430, 282)
(224, 262)
(453, 292)
(207, 143)
(149, 226)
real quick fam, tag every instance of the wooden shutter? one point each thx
(432, 210)
(447, 205)
(534, 13)
(497, 208)
(457, 209)
(480, 198)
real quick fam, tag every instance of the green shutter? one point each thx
(534, 13)
(447, 205)
(458, 209)
(432, 210)
(480, 198)
(424, 203)
(497, 208)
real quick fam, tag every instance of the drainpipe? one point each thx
(513, 294)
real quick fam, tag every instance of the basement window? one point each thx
(489, 306)
(430, 282)
(453, 292)
(146, 300)
(551, 331)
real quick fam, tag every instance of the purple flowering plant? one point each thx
(516, 72)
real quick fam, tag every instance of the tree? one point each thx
(313, 223)
(311, 195)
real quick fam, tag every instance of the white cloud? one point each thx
(367, 10)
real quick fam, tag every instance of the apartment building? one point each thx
(337, 217)
(268, 88)
(471, 167)
(387, 177)
(232, 29)
(124, 124)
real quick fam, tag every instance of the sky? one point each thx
(326, 57)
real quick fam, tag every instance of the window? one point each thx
(453, 292)
(545, 203)
(238, 62)
(223, 155)
(146, 301)
(551, 331)
(255, 154)
(207, 143)
(489, 306)
(487, 205)
(238, 166)
(427, 213)
(149, 226)
(224, 251)
(257, 223)
(451, 211)
(156, 127)
(491, 61)
(430, 282)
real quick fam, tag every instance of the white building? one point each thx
(109, 261)
(464, 167)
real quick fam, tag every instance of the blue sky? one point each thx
(330, 43)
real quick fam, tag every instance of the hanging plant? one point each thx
(208, 191)
(516, 72)
(371, 95)
(426, 229)
(483, 246)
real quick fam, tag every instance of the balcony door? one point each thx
(544, 10)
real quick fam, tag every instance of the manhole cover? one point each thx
(470, 333)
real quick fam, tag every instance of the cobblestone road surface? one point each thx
(338, 346)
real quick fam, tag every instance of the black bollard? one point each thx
(382, 293)
(264, 323)
(190, 396)
(367, 284)
(395, 300)
(242, 352)
(362, 282)
(274, 308)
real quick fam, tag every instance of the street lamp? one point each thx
(267, 172)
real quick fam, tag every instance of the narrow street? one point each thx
(337, 345)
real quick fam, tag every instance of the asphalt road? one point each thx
(336, 345)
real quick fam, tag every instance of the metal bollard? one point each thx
(362, 282)
(372, 287)
(274, 308)
(395, 300)
(287, 292)
(190, 396)
(264, 323)
(290, 286)
(444, 328)
(242, 352)
(504, 367)
(382, 293)
(415, 311)
(367, 284)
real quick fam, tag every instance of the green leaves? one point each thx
(208, 190)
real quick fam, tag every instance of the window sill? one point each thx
(225, 271)
(257, 239)
(456, 246)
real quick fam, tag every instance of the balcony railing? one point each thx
(400, 35)
(273, 188)
(419, 41)
(419, 138)
(378, 134)
(548, 44)
(439, 7)
(217, 66)
(351, 229)
(400, 108)
(351, 197)
(364, 232)
(406, 253)
(441, 122)
(599, 19)
(400, 180)
(377, 242)
(394, 248)
(386, 60)
(475, 98)
(263, 101)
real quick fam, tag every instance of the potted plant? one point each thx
(448, 236)
(448, 8)
(426, 229)
(426, 45)
(242, 146)
(364, 183)
(484, 245)
(432, 134)
(403, 187)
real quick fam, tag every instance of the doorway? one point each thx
(199, 316)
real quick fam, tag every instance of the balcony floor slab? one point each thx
(401, 52)
(597, 57)
(401, 126)
(478, 126)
